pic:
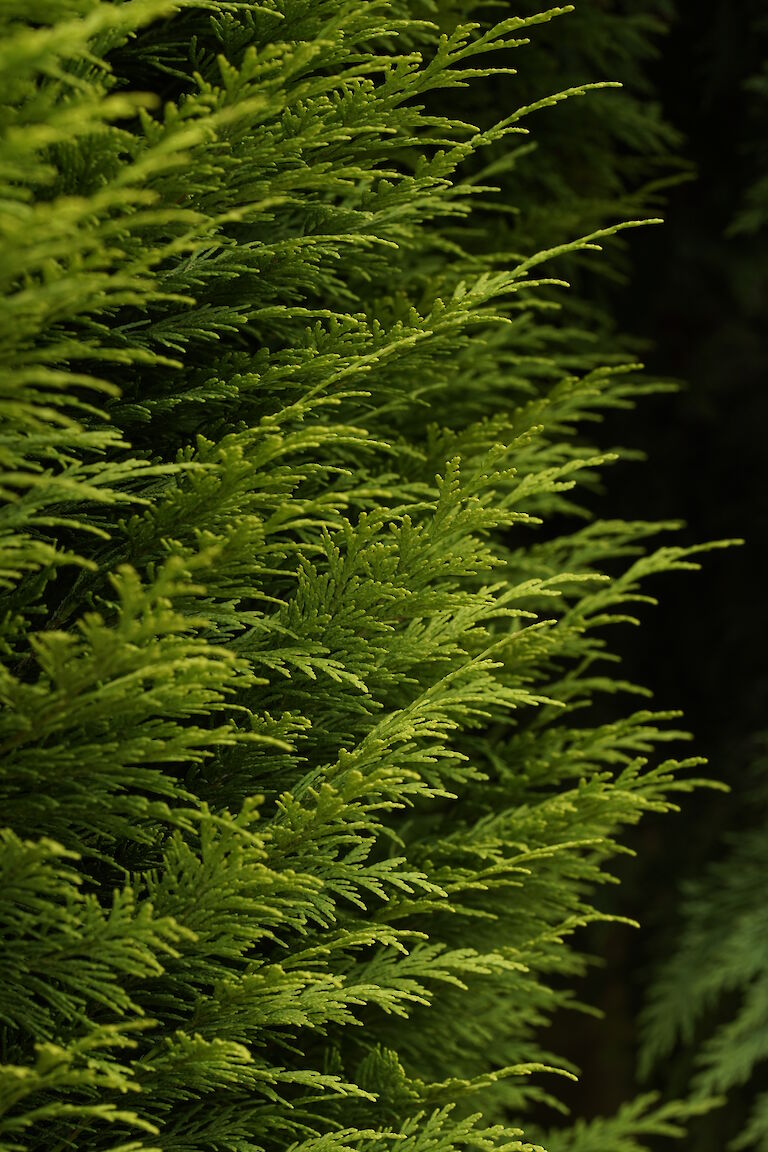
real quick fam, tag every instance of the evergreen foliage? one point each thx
(588, 163)
(613, 154)
(303, 616)
(725, 920)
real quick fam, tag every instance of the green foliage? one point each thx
(630, 1130)
(615, 152)
(307, 779)
(725, 922)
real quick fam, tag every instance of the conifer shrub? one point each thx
(305, 786)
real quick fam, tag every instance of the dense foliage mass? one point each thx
(304, 794)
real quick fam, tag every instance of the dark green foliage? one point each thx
(608, 156)
(753, 216)
(712, 992)
(635, 1126)
(304, 798)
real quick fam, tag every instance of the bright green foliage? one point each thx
(304, 799)
(722, 958)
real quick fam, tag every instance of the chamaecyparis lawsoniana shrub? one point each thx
(302, 797)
